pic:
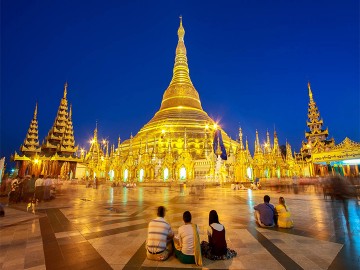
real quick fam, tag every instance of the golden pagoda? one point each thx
(176, 144)
(57, 155)
(182, 143)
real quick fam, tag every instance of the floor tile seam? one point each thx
(58, 247)
(280, 256)
(109, 222)
(303, 233)
(17, 223)
(93, 235)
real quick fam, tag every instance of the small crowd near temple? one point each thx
(162, 242)
(30, 189)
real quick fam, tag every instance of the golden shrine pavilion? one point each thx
(57, 154)
(320, 156)
(182, 143)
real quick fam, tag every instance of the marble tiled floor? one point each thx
(106, 228)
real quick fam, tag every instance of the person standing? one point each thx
(216, 248)
(283, 215)
(159, 243)
(265, 213)
(187, 242)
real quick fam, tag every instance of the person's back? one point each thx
(284, 219)
(186, 237)
(187, 244)
(265, 212)
(159, 239)
(217, 239)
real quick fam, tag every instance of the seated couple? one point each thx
(188, 250)
(266, 215)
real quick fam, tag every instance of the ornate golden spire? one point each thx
(181, 92)
(95, 132)
(310, 92)
(65, 89)
(241, 139)
(181, 69)
(35, 111)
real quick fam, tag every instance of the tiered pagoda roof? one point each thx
(31, 143)
(317, 136)
(55, 136)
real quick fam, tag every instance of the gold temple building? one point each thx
(56, 156)
(179, 143)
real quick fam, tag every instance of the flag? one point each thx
(218, 138)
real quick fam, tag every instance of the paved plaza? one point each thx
(106, 228)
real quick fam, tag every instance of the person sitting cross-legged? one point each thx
(187, 242)
(216, 248)
(264, 213)
(283, 214)
(159, 243)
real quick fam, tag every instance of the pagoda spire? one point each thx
(257, 143)
(67, 145)
(31, 142)
(119, 142)
(181, 69)
(55, 135)
(65, 89)
(180, 92)
(310, 92)
(268, 144)
(276, 149)
(241, 139)
(315, 124)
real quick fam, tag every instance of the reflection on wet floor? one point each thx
(105, 228)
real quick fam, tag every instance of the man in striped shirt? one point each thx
(159, 243)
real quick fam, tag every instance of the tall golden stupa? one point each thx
(180, 129)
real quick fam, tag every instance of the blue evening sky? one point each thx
(250, 61)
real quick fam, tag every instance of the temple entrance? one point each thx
(111, 175)
(278, 172)
(141, 175)
(182, 173)
(166, 174)
(126, 175)
(249, 173)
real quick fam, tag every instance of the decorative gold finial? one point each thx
(181, 30)
(65, 89)
(310, 92)
(35, 111)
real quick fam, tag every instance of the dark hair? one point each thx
(187, 216)
(266, 198)
(161, 211)
(213, 217)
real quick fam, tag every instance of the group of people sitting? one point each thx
(161, 241)
(266, 215)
